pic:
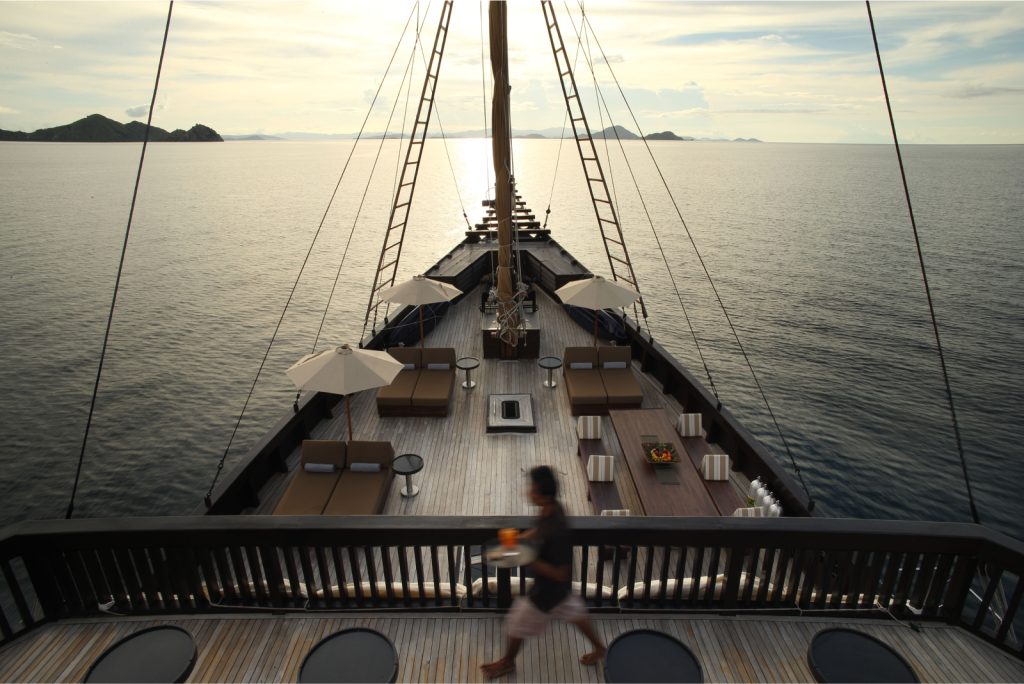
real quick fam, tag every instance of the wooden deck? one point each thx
(440, 647)
(468, 471)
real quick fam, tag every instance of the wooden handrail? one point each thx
(917, 570)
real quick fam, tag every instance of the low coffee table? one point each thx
(351, 655)
(645, 655)
(157, 654)
(408, 465)
(550, 364)
(468, 363)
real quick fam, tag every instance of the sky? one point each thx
(776, 71)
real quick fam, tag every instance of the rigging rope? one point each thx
(707, 273)
(924, 273)
(599, 98)
(657, 239)
(561, 136)
(120, 264)
(355, 220)
(291, 294)
(444, 142)
(410, 71)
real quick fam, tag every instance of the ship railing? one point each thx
(127, 566)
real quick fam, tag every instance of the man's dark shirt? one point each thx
(555, 550)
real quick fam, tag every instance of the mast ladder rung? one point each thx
(398, 219)
(607, 219)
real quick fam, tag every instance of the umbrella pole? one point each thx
(348, 414)
(421, 326)
(595, 328)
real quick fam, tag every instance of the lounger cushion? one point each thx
(585, 388)
(432, 355)
(320, 467)
(622, 387)
(438, 366)
(434, 388)
(581, 365)
(307, 494)
(588, 427)
(754, 512)
(359, 494)
(579, 355)
(323, 451)
(411, 355)
(615, 512)
(365, 467)
(601, 468)
(614, 365)
(371, 452)
(689, 425)
(715, 467)
(400, 391)
(614, 355)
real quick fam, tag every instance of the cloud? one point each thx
(137, 112)
(973, 90)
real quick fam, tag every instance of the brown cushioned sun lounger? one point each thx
(359, 493)
(396, 398)
(620, 384)
(308, 493)
(583, 385)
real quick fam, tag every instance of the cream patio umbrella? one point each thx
(344, 370)
(596, 293)
(418, 291)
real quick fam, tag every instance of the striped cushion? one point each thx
(588, 427)
(689, 425)
(615, 512)
(715, 466)
(755, 512)
(600, 468)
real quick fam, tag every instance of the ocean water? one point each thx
(810, 247)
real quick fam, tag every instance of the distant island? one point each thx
(612, 133)
(98, 128)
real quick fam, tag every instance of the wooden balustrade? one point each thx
(964, 574)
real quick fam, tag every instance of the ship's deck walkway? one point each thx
(439, 647)
(468, 471)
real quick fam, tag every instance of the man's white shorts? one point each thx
(527, 620)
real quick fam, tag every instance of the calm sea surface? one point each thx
(810, 247)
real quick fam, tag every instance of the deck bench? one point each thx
(603, 496)
(722, 492)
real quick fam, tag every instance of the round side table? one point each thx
(645, 655)
(351, 655)
(845, 655)
(468, 363)
(550, 364)
(408, 465)
(157, 654)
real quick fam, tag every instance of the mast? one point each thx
(508, 323)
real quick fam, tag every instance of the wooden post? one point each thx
(348, 414)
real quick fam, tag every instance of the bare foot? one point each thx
(498, 668)
(594, 657)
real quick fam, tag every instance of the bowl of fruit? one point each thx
(660, 453)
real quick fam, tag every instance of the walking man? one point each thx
(551, 596)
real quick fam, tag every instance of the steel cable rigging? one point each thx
(120, 264)
(778, 429)
(298, 277)
(924, 273)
